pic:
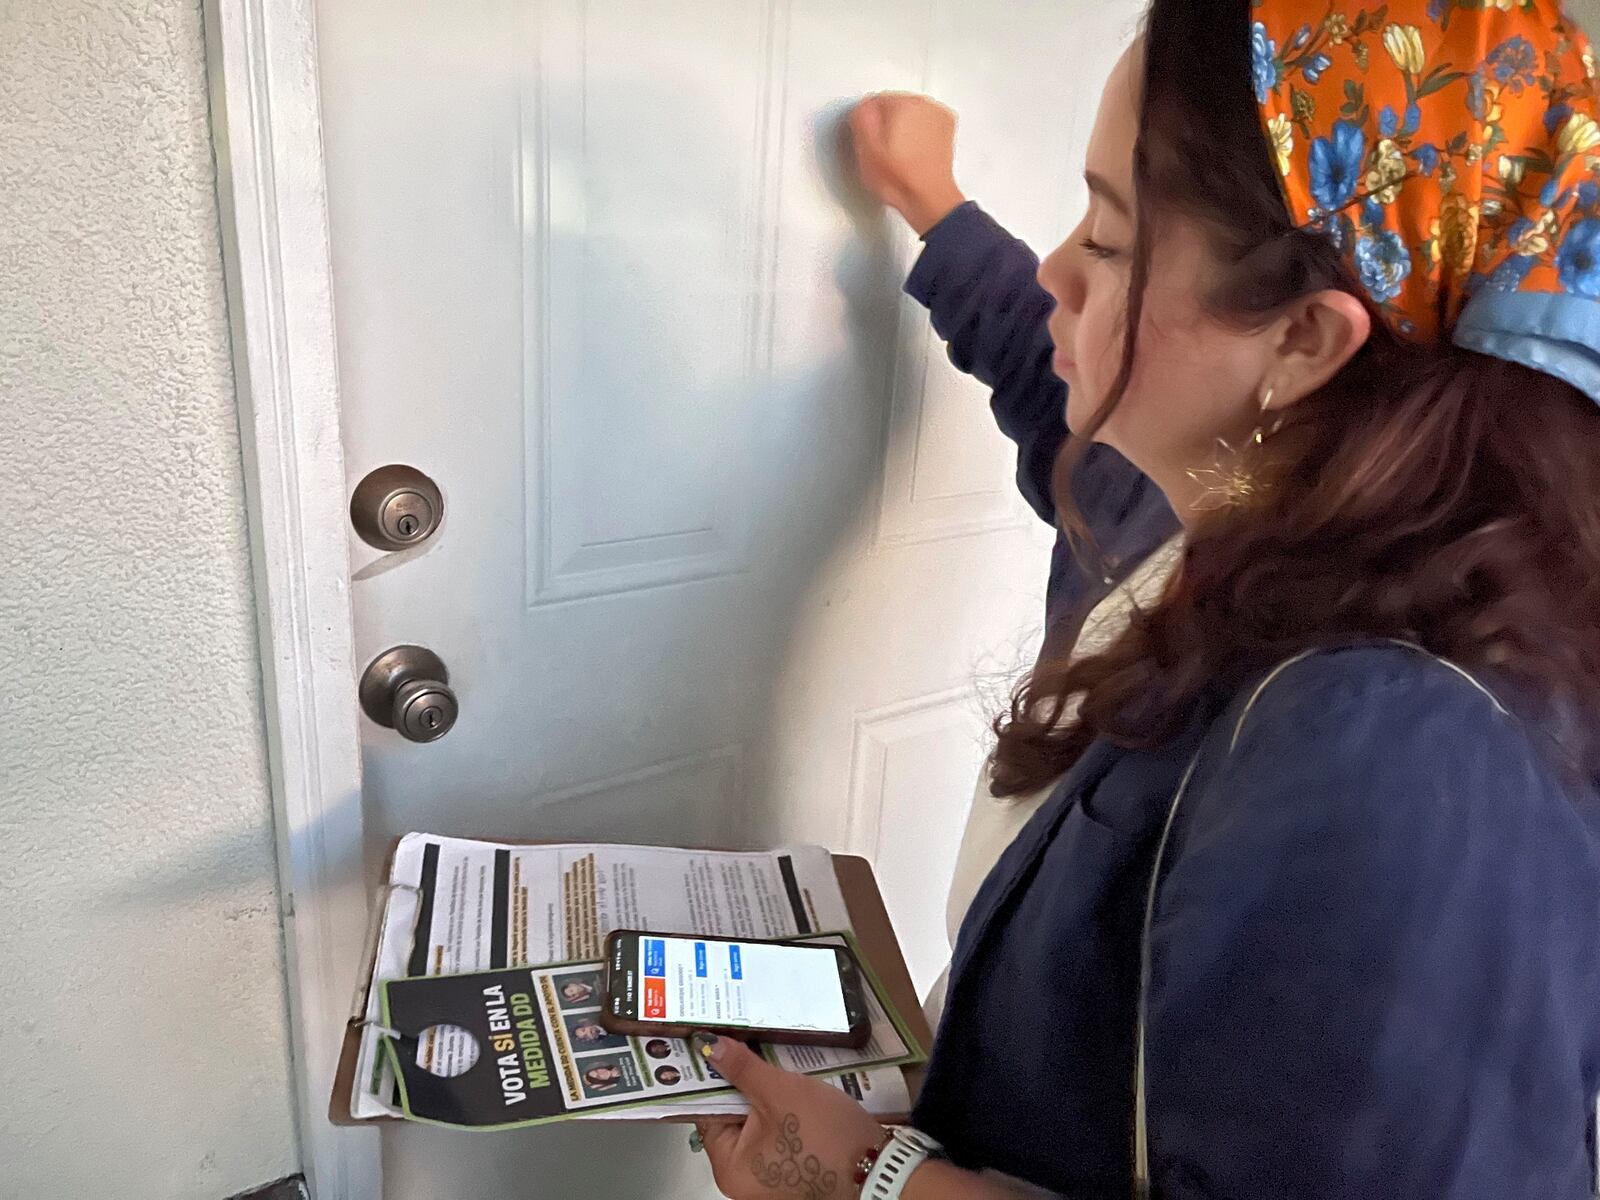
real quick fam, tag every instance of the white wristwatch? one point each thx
(905, 1151)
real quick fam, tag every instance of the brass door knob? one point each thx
(407, 689)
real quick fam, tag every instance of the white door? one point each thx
(731, 555)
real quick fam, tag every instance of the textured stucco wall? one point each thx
(143, 1048)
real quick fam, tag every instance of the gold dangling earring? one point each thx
(1231, 481)
(1262, 433)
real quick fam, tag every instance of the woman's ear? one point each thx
(1317, 336)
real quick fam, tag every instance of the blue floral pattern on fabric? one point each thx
(1448, 148)
(1263, 61)
(1578, 260)
(1383, 263)
(1478, 95)
(1514, 64)
(1508, 276)
(1336, 166)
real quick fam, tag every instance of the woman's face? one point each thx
(1195, 380)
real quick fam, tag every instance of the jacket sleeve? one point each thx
(1373, 968)
(978, 284)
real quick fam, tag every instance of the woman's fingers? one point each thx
(719, 1138)
(757, 1080)
(905, 154)
(721, 1142)
(866, 121)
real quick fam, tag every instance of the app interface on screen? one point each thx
(740, 983)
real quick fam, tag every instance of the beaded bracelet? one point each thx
(868, 1160)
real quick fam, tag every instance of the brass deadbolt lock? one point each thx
(396, 507)
(407, 689)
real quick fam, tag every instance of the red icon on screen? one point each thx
(655, 998)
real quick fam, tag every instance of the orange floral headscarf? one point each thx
(1451, 149)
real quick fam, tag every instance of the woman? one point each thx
(602, 1078)
(978, 283)
(577, 991)
(1312, 908)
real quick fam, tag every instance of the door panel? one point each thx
(730, 554)
(640, 243)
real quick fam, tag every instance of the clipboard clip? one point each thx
(382, 895)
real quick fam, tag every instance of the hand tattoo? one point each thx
(791, 1167)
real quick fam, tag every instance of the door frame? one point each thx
(272, 194)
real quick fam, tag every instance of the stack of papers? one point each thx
(455, 905)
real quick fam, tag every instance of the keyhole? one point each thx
(407, 525)
(430, 718)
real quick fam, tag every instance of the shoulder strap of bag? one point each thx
(1141, 1132)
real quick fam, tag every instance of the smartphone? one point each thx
(671, 985)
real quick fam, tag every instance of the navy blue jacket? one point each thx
(977, 282)
(1375, 946)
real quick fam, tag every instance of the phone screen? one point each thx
(684, 981)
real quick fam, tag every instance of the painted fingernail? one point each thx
(704, 1044)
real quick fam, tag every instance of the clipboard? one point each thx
(869, 921)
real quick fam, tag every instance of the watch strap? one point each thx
(903, 1153)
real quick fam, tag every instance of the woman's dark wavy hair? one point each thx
(1427, 493)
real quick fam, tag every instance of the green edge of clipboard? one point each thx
(914, 1054)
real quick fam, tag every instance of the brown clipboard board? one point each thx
(869, 920)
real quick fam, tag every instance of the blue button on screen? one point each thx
(700, 959)
(655, 956)
(734, 966)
